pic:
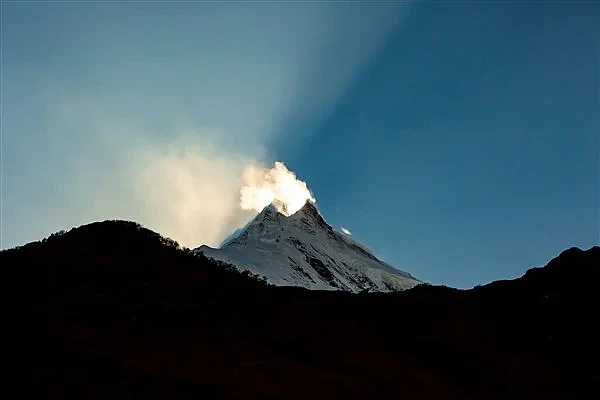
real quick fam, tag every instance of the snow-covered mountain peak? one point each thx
(269, 213)
(303, 250)
(309, 210)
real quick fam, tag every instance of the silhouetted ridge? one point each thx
(112, 309)
(571, 262)
(121, 251)
(109, 233)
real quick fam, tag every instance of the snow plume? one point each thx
(278, 186)
(190, 191)
(346, 231)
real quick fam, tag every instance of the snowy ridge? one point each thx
(303, 250)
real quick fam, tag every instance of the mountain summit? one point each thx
(303, 250)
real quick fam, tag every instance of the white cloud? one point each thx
(346, 231)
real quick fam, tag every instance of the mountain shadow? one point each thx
(113, 310)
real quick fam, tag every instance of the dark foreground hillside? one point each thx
(111, 310)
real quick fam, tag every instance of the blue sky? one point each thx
(458, 140)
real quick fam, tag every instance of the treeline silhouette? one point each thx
(114, 310)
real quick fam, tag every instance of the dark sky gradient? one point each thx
(469, 149)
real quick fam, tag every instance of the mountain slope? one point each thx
(303, 250)
(113, 310)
